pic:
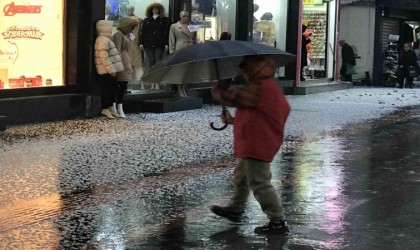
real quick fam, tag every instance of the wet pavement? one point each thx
(357, 188)
(353, 188)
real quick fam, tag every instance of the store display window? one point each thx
(116, 9)
(314, 16)
(213, 17)
(270, 24)
(31, 44)
(134, 9)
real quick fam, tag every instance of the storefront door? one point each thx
(320, 19)
(314, 17)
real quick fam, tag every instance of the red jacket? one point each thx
(260, 118)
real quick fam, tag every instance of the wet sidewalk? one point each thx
(356, 188)
(146, 182)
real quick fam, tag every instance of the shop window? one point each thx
(213, 17)
(136, 9)
(116, 9)
(270, 24)
(31, 44)
(314, 16)
(270, 19)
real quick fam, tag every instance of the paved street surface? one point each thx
(348, 175)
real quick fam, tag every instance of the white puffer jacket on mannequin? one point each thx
(107, 57)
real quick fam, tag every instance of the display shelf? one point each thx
(316, 20)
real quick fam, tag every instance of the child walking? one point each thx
(261, 114)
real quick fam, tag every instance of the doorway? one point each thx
(315, 16)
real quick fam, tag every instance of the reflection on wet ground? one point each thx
(357, 188)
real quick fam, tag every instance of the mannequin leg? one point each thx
(122, 88)
(107, 95)
(180, 93)
(145, 69)
(158, 56)
(302, 78)
(120, 110)
(113, 110)
(138, 73)
(183, 86)
(150, 60)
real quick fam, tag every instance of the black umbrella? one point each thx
(210, 62)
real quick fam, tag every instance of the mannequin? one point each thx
(123, 44)
(256, 34)
(154, 37)
(135, 52)
(207, 7)
(268, 29)
(108, 63)
(180, 37)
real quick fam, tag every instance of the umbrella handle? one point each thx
(224, 125)
(218, 129)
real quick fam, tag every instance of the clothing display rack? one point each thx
(391, 63)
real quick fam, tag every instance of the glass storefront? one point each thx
(213, 17)
(115, 9)
(270, 24)
(31, 44)
(314, 16)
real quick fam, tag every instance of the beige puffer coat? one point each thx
(107, 58)
(123, 43)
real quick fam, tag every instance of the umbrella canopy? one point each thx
(210, 61)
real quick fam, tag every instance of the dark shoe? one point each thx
(228, 213)
(273, 228)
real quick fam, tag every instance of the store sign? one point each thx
(9, 54)
(28, 30)
(11, 9)
(312, 2)
(23, 32)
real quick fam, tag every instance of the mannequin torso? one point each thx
(180, 36)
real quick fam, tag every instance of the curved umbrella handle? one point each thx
(218, 129)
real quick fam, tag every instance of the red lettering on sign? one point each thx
(12, 9)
